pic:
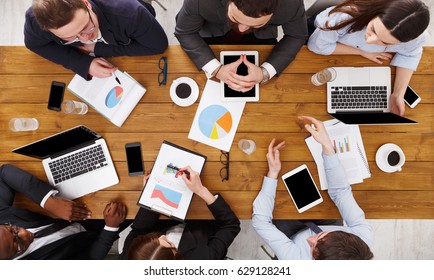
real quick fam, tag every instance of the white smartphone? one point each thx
(411, 97)
(302, 188)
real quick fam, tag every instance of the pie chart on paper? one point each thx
(114, 96)
(215, 122)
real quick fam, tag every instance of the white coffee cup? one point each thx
(390, 158)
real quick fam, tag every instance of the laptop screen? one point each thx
(62, 142)
(371, 118)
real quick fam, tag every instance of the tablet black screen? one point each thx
(242, 70)
(302, 188)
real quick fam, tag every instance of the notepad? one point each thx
(165, 191)
(113, 98)
(348, 144)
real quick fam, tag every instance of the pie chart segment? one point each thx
(114, 96)
(215, 122)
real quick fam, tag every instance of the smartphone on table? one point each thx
(134, 159)
(56, 95)
(411, 97)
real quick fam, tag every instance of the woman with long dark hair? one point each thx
(377, 30)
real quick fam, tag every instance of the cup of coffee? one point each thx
(390, 158)
(184, 91)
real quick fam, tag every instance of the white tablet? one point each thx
(228, 94)
(302, 188)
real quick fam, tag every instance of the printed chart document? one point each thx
(114, 100)
(165, 192)
(216, 121)
(348, 144)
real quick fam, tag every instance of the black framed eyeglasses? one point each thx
(162, 76)
(224, 159)
(20, 243)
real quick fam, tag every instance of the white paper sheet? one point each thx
(216, 122)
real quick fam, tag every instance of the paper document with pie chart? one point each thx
(112, 99)
(216, 122)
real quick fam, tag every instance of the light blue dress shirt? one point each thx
(407, 55)
(296, 247)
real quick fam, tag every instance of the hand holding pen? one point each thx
(194, 183)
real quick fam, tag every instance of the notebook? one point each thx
(76, 161)
(361, 95)
(114, 97)
(165, 191)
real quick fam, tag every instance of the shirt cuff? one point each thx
(210, 67)
(270, 69)
(50, 193)
(330, 161)
(114, 229)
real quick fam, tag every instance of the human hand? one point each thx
(228, 74)
(397, 105)
(146, 178)
(319, 133)
(194, 183)
(254, 72)
(377, 57)
(273, 158)
(87, 48)
(67, 209)
(100, 68)
(114, 214)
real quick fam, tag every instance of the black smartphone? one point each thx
(134, 159)
(411, 97)
(56, 95)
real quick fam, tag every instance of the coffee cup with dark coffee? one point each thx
(184, 91)
(390, 158)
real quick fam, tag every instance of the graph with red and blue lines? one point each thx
(169, 197)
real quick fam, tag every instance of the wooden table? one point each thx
(25, 80)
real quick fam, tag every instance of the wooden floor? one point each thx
(24, 87)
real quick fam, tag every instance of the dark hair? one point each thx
(405, 19)
(53, 14)
(256, 8)
(339, 245)
(147, 247)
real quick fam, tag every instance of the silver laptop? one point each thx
(361, 95)
(77, 161)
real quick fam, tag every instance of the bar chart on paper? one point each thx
(341, 144)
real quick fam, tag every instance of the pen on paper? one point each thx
(177, 169)
(116, 78)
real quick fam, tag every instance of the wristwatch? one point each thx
(266, 76)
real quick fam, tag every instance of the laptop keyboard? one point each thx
(77, 164)
(366, 97)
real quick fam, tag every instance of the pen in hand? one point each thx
(116, 78)
(177, 169)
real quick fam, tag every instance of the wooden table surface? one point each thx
(25, 80)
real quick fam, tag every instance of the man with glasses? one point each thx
(27, 235)
(293, 239)
(241, 22)
(75, 33)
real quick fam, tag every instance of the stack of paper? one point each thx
(348, 144)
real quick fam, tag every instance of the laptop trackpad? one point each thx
(359, 76)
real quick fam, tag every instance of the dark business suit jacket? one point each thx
(201, 240)
(84, 245)
(199, 19)
(127, 26)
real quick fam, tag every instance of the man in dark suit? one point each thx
(152, 238)
(203, 22)
(20, 229)
(74, 33)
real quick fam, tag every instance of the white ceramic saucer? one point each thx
(184, 102)
(381, 157)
